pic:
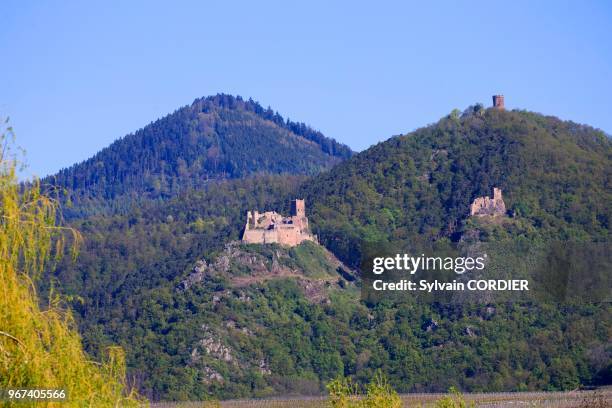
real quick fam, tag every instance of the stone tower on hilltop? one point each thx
(271, 227)
(498, 102)
(298, 208)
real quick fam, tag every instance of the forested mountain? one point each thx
(216, 137)
(139, 282)
(556, 178)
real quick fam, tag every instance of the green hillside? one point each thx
(142, 284)
(556, 177)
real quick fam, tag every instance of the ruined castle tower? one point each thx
(489, 206)
(298, 208)
(498, 102)
(497, 194)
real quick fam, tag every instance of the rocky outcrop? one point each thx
(211, 375)
(215, 348)
(197, 275)
(212, 346)
(212, 354)
(245, 265)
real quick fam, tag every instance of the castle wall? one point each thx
(254, 236)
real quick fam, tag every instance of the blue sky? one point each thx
(77, 75)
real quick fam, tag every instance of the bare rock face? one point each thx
(215, 348)
(489, 206)
(213, 351)
(211, 344)
(218, 349)
(198, 275)
(211, 375)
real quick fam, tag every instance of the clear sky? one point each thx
(75, 76)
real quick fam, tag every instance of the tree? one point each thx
(40, 349)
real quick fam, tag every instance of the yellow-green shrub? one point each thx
(379, 394)
(40, 348)
(453, 400)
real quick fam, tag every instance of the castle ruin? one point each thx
(489, 206)
(271, 227)
(498, 102)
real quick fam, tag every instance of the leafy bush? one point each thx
(454, 400)
(343, 393)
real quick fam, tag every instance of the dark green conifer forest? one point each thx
(214, 138)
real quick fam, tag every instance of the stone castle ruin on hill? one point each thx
(489, 206)
(271, 227)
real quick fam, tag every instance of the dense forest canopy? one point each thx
(555, 176)
(216, 137)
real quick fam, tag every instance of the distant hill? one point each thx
(216, 137)
(556, 177)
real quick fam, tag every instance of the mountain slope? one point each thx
(556, 176)
(139, 277)
(216, 137)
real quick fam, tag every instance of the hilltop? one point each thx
(214, 138)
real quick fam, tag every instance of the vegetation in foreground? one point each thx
(452, 399)
(343, 393)
(41, 348)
